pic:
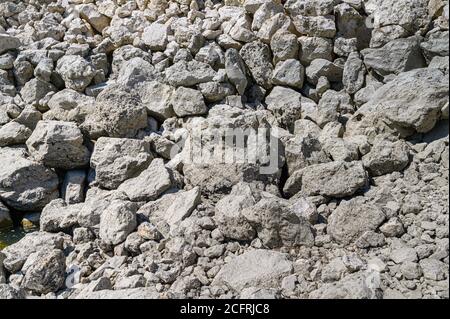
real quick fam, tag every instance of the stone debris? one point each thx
(224, 149)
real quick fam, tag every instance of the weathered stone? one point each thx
(44, 271)
(136, 71)
(434, 269)
(149, 184)
(412, 101)
(257, 57)
(69, 105)
(118, 221)
(322, 67)
(284, 46)
(72, 189)
(155, 36)
(289, 73)
(334, 179)
(118, 159)
(97, 20)
(286, 106)
(188, 102)
(17, 254)
(386, 157)
(316, 26)
(24, 184)
(352, 218)
(58, 216)
(8, 42)
(189, 73)
(312, 48)
(353, 286)
(354, 73)
(13, 133)
(395, 57)
(235, 69)
(230, 221)
(261, 268)
(58, 144)
(279, 223)
(156, 97)
(76, 72)
(171, 209)
(33, 91)
(118, 113)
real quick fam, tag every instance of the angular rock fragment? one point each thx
(13, 133)
(395, 57)
(167, 212)
(25, 184)
(44, 271)
(386, 157)
(155, 36)
(189, 73)
(352, 218)
(76, 72)
(58, 144)
(118, 159)
(235, 69)
(187, 102)
(412, 101)
(257, 57)
(149, 184)
(259, 267)
(118, 221)
(118, 113)
(334, 179)
(156, 97)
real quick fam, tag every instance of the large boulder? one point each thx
(76, 72)
(167, 212)
(397, 56)
(118, 221)
(386, 157)
(189, 73)
(8, 42)
(44, 271)
(149, 184)
(16, 254)
(25, 184)
(118, 159)
(118, 113)
(58, 144)
(256, 268)
(257, 56)
(352, 218)
(279, 223)
(411, 102)
(334, 179)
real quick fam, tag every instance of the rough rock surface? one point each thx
(224, 149)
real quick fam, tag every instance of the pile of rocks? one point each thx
(100, 102)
